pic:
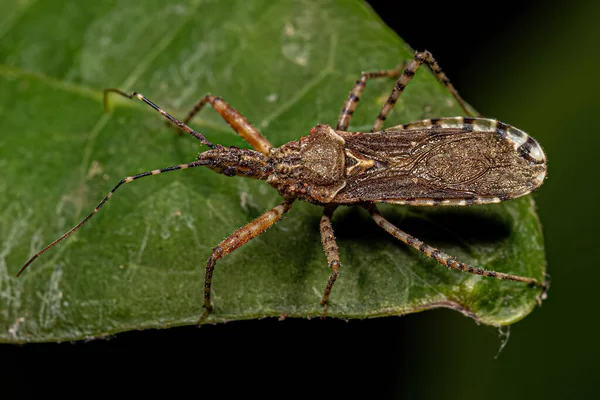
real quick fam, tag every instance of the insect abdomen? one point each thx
(524, 144)
(447, 161)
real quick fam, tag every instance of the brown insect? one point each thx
(435, 162)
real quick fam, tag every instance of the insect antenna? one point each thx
(174, 120)
(106, 198)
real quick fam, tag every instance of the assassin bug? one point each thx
(455, 161)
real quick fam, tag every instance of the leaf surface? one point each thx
(139, 263)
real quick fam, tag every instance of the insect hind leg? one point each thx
(441, 257)
(410, 70)
(236, 120)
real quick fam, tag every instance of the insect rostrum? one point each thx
(454, 161)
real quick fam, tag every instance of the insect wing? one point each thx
(450, 161)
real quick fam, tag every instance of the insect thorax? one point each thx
(311, 168)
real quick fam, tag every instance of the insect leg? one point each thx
(237, 239)
(174, 120)
(439, 256)
(356, 92)
(236, 120)
(106, 198)
(331, 250)
(410, 70)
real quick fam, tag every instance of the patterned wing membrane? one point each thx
(446, 161)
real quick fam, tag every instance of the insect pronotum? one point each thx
(456, 161)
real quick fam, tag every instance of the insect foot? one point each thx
(207, 310)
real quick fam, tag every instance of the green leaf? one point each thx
(139, 263)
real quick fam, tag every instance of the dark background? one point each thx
(531, 64)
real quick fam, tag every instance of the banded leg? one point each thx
(332, 253)
(237, 239)
(440, 256)
(356, 92)
(174, 120)
(409, 72)
(106, 198)
(236, 120)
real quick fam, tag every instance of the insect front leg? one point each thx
(332, 253)
(439, 256)
(410, 70)
(237, 239)
(236, 120)
(356, 92)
